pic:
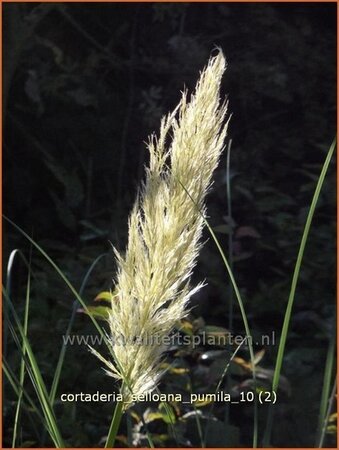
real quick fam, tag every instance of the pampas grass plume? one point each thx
(152, 285)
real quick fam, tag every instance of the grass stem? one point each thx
(288, 313)
(325, 394)
(330, 405)
(22, 363)
(243, 315)
(230, 258)
(113, 429)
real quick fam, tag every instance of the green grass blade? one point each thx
(27, 403)
(12, 257)
(230, 258)
(35, 375)
(113, 430)
(329, 409)
(37, 388)
(197, 418)
(145, 425)
(9, 270)
(17, 388)
(22, 363)
(243, 315)
(287, 318)
(62, 354)
(230, 234)
(74, 292)
(60, 273)
(169, 414)
(325, 391)
(77, 296)
(219, 384)
(149, 438)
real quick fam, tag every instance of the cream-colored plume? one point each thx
(152, 283)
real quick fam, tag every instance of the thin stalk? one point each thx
(144, 424)
(287, 318)
(330, 405)
(74, 292)
(148, 434)
(62, 354)
(230, 258)
(22, 363)
(10, 263)
(243, 315)
(59, 271)
(83, 304)
(113, 429)
(36, 377)
(17, 388)
(197, 418)
(326, 388)
(15, 383)
(199, 427)
(169, 414)
(230, 234)
(219, 384)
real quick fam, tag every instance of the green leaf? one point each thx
(99, 312)
(105, 295)
(167, 413)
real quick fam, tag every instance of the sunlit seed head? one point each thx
(165, 226)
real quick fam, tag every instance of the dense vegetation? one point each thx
(84, 85)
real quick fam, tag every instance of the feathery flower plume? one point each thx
(152, 283)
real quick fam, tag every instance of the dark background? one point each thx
(83, 87)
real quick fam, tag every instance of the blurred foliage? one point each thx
(84, 85)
